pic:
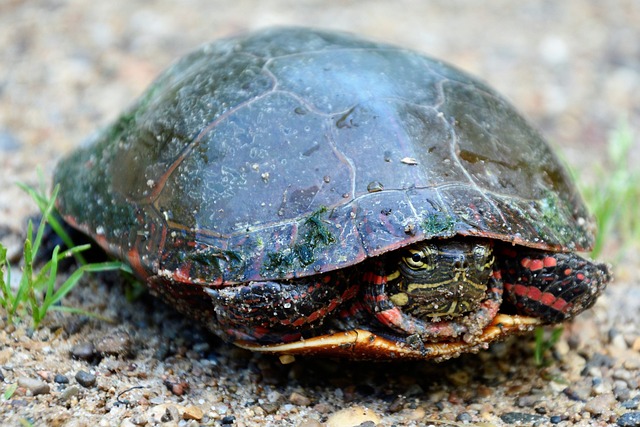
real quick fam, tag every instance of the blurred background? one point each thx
(69, 66)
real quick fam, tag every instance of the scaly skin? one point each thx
(548, 286)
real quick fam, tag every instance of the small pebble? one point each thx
(322, 408)
(574, 395)
(631, 403)
(522, 418)
(162, 413)
(598, 360)
(630, 419)
(527, 401)
(61, 379)
(631, 364)
(299, 399)
(178, 388)
(192, 413)
(45, 375)
(414, 414)
(117, 344)
(229, 419)
(351, 417)
(600, 404)
(83, 351)
(274, 396)
(86, 379)
(310, 423)
(36, 387)
(464, 417)
(598, 386)
(621, 374)
(555, 419)
(270, 408)
(397, 404)
(621, 393)
(69, 392)
(618, 342)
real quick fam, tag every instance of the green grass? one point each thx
(37, 291)
(614, 198)
(545, 340)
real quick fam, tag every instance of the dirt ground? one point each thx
(68, 67)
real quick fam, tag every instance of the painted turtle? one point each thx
(310, 192)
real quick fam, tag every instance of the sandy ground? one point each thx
(68, 67)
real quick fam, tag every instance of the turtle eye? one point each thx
(420, 259)
(414, 260)
(482, 257)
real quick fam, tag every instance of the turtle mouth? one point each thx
(367, 345)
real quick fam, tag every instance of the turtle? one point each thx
(309, 192)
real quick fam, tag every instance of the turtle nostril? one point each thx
(461, 265)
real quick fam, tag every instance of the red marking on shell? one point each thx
(533, 293)
(497, 274)
(548, 299)
(567, 272)
(549, 261)
(259, 332)
(580, 276)
(560, 305)
(332, 305)
(524, 262)
(536, 265)
(300, 321)
(314, 316)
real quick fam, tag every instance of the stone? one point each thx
(352, 417)
(86, 379)
(192, 413)
(34, 386)
(299, 399)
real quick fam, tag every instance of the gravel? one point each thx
(69, 67)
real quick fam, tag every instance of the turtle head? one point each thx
(442, 278)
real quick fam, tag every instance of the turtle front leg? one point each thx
(278, 311)
(551, 286)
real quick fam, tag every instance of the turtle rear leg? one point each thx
(278, 311)
(548, 285)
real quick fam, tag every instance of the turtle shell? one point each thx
(289, 152)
